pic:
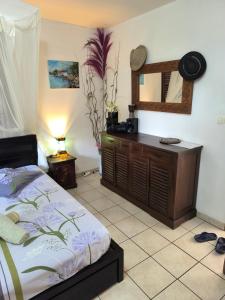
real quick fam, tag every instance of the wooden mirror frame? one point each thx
(168, 66)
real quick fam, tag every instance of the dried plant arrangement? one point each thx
(99, 100)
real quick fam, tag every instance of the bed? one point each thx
(99, 267)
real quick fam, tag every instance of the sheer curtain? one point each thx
(19, 51)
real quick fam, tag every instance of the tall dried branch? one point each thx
(95, 66)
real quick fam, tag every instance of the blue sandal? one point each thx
(220, 245)
(205, 237)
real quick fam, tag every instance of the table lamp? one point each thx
(61, 145)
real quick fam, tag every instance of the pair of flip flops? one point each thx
(206, 237)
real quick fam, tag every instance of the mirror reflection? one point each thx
(161, 87)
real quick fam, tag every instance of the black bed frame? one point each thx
(92, 280)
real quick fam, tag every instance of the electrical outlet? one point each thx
(221, 120)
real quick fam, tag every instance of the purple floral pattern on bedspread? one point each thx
(64, 237)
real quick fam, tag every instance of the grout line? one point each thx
(198, 261)
(194, 226)
(138, 286)
(103, 209)
(130, 238)
(136, 263)
(210, 269)
(176, 278)
(172, 284)
(166, 237)
(190, 289)
(191, 255)
(126, 234)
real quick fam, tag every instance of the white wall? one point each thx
(65, 107)
(168, 33)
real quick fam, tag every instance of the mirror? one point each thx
(160, 87)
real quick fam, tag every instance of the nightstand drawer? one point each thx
(63, 172)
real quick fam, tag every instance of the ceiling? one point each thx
(95, 13)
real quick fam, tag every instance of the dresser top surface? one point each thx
(154, 141)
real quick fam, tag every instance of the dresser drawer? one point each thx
(158, 155)
(124, 146)
(136, 149)
(110, 142)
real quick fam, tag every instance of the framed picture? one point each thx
(63, 74)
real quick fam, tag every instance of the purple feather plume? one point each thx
(99, 47)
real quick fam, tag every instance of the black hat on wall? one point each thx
(192, 65)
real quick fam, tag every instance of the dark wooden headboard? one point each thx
(18, 151)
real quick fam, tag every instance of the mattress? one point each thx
(64, 238)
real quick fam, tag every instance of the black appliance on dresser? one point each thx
(130, 126)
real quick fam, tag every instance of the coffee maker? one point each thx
(132, 122)
(130, 126)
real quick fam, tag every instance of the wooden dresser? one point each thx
(161, 179)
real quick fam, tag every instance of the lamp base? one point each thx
(62, 152)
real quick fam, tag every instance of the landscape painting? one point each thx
(63, 74)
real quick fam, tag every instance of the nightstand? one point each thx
(62, 170)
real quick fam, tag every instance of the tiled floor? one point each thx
(160, 263)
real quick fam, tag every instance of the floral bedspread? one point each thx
(64, 238)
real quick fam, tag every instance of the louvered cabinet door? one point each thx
(160, 187)
(108, 165)
(139, 179)
(121, 170)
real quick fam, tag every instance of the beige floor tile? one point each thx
(150, 241)
(89, 208)
(80, 179)
(215, 262)
(191, 224)
(206, 284)
(131, 226)
(174, 260)
(146, 218)
(74, 194)
(89, 178)
(102, 204)
(176, 291)
(92, 195)
(130, 207)
(83, 187)
(81, 201)
(125, 290)
(206, 227)
(116, 198)
(95, 183)
(102, 219)
(132, 254)
(102, 189)
(168, 233)
(72, 191)
(115, 214)
(190, 246)
(151, 277)
(117, 235)
(96, 175)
